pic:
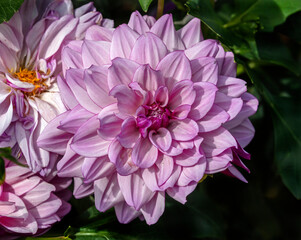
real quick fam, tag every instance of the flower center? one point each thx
(154, 118)
(34, 78)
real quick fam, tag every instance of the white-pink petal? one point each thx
(95, 53)
(144, 153)
(161, 138)
(123, 41)
(175, 67)
(134, 190)
(121, 72)
(87, 142)
(148, 49)
(191, 33)
(183, 130)
(129, 133)
(164, 28)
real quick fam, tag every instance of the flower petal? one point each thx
(213, 119)
(95, 53)
(96, 83)
(71, 164)
(219, 162)
(107, 193)
(86, 141)
(183, 93)
(8, 37)
(144, 153)
(123, 41)
(190, 157)
(129, 133)
(75, 80)
(67, 95)
(125, 213)
(231, 105)
(205, 97)
(71, 59)
(148, 49)
(98, 33)
(121, 72)
(180, 193)
(250, 105)
(127, 100)
(134, 190)
(74, 119)
(52, 138)
(148, 79)
(206, 48)
(96, 168)
(6, 114)
(193, 173)
(183, 130)
(80, 189)
(204, 69)
(217, 141)
(154, 209)
(55, 34)
(175, 67)
(110, 124)
(191, 33)
(243, 133)
(121, 157)
(233, 87)
(161, 138)
(164, 29)
(137, 23)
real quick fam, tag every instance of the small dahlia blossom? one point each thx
(30, 45)
(29, 204)
(151, 111)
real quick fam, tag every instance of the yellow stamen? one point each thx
(31, 76)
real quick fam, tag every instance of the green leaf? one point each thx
(232, 37)
(270, 12)
(236, 24)
(287, 131)
(291, 27)
(2, 171)
(145, 4)
(288, 142)
(272, 49)
(87, 234)
(8, 8)
(48, 238)
(6, 153)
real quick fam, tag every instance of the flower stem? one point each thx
(160, 8)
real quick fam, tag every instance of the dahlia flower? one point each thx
(30, 45)
(29, 204)
(151, 111)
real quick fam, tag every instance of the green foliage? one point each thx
(6, 153)
(250, 29)
(8, 8)
(145, 4)
(2, 171)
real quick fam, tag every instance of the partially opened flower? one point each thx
(152, 110)
(29, 204)
(30, 45)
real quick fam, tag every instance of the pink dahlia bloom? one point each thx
(30, 45)
(29, 204)
(151, 111)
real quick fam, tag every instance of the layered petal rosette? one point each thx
(30, 45)
(29, 204)
(151, 111)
